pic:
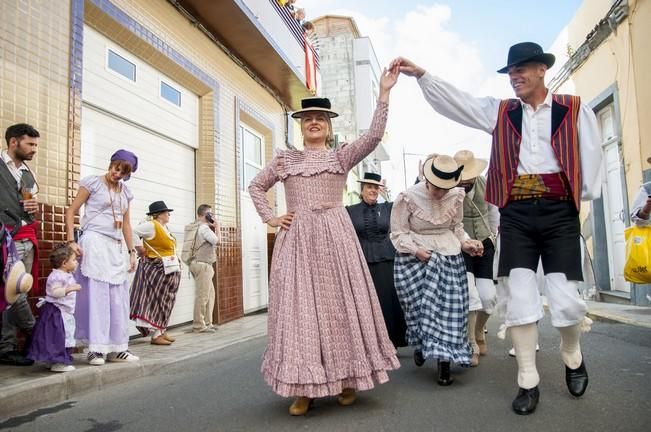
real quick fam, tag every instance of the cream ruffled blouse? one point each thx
(418, 220)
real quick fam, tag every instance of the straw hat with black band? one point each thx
(18, 282)
(442, 171)
(315, 104)
(472, 167)
(371, 178)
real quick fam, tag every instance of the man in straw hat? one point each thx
(545, 159)
(480, 221)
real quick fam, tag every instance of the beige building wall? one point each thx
(640, 38)
(35, 87)
(218, 182)
(621, 60)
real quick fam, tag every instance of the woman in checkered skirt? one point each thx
(429, 271)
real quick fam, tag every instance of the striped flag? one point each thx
(310, 66)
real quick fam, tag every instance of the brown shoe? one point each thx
(347, 397)
(300, 406)
(168, 337)
(160, 340)
(474, 360)
(483, 347)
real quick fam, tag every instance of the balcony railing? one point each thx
(294, 27)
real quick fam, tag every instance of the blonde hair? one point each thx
(330, 139)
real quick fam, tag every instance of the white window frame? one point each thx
(610, 108)
(168, 82)
(254, 132)
(128, 58)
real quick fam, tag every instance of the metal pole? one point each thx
(404, 166)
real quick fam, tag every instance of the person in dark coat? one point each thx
(372, 223)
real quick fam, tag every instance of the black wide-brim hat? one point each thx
(158, 207)
(527, 52)
(371, 178)
(315, 104)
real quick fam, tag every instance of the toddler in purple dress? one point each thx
(54, 332)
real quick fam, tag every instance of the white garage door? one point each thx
(119, 112)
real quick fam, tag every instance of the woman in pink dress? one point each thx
(326, 332)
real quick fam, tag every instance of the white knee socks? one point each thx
(482, 318)
(570, 346)
(525, 338)
(472, 324)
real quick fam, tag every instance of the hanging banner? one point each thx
(310, 66)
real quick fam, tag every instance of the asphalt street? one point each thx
(224, 391)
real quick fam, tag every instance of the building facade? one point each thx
(602, 56)
(350, 74)
(200, 91)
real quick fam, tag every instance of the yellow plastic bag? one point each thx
(638, 254)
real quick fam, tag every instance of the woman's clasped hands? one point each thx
(473, 247)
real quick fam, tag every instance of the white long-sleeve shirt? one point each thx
(536, 153)
(638, 203)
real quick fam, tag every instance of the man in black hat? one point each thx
(545, 159)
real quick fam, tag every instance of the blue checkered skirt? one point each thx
(434, 297)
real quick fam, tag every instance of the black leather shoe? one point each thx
(576, 379)
(444, 373)
(526, 401)
(14, 358)
(418, 358)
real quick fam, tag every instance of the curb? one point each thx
(611, 318)
(616, 319)
(22, 398)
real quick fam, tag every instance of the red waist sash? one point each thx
(550, 186)
(30, 232)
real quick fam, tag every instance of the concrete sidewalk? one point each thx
(24, 389)
(626, 314)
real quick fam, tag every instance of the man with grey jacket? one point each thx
(202, 264)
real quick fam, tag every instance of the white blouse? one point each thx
(420, 221)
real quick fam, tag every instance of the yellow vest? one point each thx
(163, 243)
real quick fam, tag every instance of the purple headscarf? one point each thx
(128, 157)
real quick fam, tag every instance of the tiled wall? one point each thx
(34, 88)
(34, 53)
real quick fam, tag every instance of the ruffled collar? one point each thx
(307, 163)
(436, 212)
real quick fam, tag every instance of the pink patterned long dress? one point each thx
(325, 325)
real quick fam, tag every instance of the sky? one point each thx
(461, 41)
